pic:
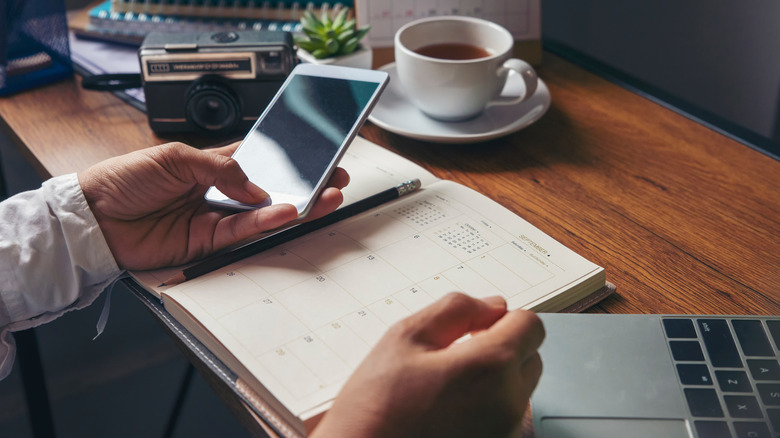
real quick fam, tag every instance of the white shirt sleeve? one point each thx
(53, 259)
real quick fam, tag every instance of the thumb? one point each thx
(214, 169)
(451, 317)
(231, 180)
(520, 330)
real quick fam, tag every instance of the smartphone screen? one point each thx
(296, 143)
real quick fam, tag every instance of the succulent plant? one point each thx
(327, 37)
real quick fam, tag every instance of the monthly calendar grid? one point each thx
(296, 320)
(437, 227)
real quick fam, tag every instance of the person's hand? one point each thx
(417, 383)
(149, 204)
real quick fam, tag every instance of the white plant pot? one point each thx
(361, 58)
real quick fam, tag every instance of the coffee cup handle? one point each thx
(526, 72)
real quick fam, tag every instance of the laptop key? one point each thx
(743, 406)
(733, 381)
(703, 402)
(774, 418)
(751, 429)
(762, 369)
(752, 337)
(774, 330)
(679, 328)
(770, 393)
(694, 374)
(720, 344)
(712, 429)
(686, 351)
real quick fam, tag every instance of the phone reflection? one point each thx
(290, 149)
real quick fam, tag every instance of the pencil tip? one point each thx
(161, 285)
(173, 281)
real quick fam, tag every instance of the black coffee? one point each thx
(454, 51)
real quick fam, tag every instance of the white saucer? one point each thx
(395, 113)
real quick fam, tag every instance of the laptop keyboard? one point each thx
(729, 372)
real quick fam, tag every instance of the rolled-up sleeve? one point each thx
(53, 259)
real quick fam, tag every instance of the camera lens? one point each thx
(212, 106)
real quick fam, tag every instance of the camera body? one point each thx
(212, 82)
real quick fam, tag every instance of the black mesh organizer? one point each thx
(33, 44)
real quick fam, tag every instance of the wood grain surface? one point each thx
(684, 219)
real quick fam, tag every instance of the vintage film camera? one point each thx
(212, 82)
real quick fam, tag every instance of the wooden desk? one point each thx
(683, 219)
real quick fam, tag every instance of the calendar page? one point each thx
(300, 318)
(295, 321)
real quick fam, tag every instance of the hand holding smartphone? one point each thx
(296, 144)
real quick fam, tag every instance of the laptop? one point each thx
(656, 376)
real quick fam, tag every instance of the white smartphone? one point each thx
(296, 144)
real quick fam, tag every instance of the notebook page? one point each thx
(302, 316)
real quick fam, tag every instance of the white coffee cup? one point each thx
(458, 89)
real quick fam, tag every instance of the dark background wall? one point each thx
(720, 56)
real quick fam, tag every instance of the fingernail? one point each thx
(254, 190)
(496, 301)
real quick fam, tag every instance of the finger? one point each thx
(520, 331)
(527, 327)
(530, 373)
(225, 151)
(209, 169)
(329, 200)
(339, 179)
(449, 318)
(238, 227)
(496, 300)
(231, 180)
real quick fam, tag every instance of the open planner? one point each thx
(293, 322)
